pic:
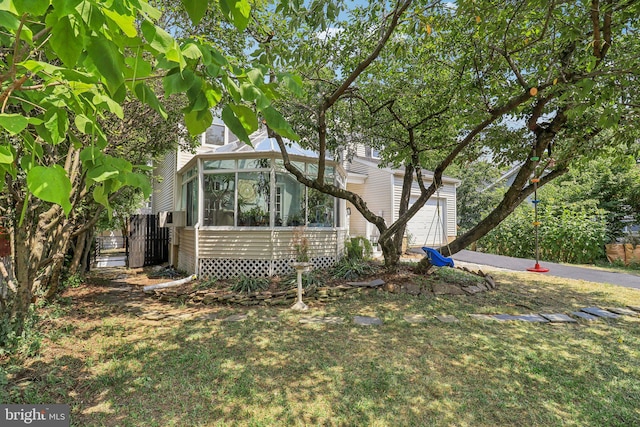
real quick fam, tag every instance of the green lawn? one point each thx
(115, 368)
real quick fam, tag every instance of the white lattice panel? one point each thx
(226, 268)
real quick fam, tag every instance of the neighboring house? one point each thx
(233, 208)
(433, 225)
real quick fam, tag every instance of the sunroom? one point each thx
(243, 211)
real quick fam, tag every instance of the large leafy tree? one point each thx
(70, 67)
(519, 81)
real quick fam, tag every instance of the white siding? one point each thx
(447, 197)
(163, 184)
(265, 244)
(376, 192)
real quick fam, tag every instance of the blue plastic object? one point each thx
(436, 258)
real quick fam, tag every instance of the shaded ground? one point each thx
(104, 355)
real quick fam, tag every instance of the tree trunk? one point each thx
(405, 198)
(84, 264)
(29, 247)
(389, 251)
(78, 253)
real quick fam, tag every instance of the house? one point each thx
(381, 187)
(234, 209)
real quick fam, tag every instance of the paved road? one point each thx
(558, 270)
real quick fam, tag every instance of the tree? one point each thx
(516, 65)
(55, 97)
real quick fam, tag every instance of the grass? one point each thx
(117, 369)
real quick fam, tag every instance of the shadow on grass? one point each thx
(125, 371)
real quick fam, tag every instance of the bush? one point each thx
(358, 248)
(351, 269)
(572, 234)
(312, 278)
(249, 284)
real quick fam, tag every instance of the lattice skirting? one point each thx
(225, 268)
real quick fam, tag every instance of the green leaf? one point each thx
(61, 34)
(292, 82)
(101, 196)
(198, 121)
(109, 62)
(31, 7)
(11, 22)
(125, 23)
(196, 9)
(246, 116)
(278, 123)
(102, 173)
(108, 104)
(237, 12)
(55, 126)
(139, 67)
(50, 184)
(147, 96)
(157, 38)
(140, 181)
(235, 124)
(6, 155)
(13, 123)
(178, 82)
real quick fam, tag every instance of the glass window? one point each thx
(289, 201)
(189, 174)
(254, 163)
(214, 135)
(219, 164)
(280, 165)
(219, 197)
(254, 195)
(190, 201)
(321, 210)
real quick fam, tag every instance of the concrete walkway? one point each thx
(557, 270)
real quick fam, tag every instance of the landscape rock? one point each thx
(447, 289)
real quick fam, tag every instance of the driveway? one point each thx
(558, 270)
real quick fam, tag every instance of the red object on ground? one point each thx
(538, 269)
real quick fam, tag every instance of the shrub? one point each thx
(249, 284)
(358, 248)
(351, 269)
(571, 233)
(312, 278)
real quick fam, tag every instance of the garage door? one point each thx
(425, 229)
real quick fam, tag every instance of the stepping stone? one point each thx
(585, 316)
(634, 307)
(371, 284)
(483, 317)
(366, 320)
(154, 315)
(236, 318)
(269, 319)
(596, 311)
(320, 320)
(623, 311)
(208, 316)
(558, 318)
(415, 318)
(504, 317)
(447, 319)
(530, 318)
